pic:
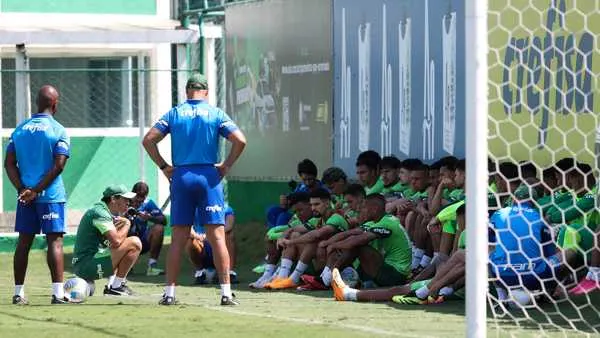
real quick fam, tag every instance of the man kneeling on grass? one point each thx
(104, 225)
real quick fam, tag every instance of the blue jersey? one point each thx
(199, 227)
(36, 142)
(195, 127)
(304, 188)
(523, 241)
(149, 207)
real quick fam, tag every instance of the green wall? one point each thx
(250, 200)
(147, 7)
(95, 163)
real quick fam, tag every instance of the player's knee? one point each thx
(158, 229)
(134, 243)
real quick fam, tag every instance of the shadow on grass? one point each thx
(55, 320)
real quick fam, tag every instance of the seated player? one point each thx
(103, 225)
(523, 256)
(279, 214)
(298, 224)
(367, 171)
(354, 197)
(336, 180)
(591, 282)
(148, 223)
(449, 277)
(381, 246)
(449, 195)
(393, 187)
(303, 248)
(200, 252)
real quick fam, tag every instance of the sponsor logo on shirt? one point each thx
(35, 127)
(214, 208)
(50, 216)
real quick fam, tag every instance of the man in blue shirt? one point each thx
(148, 223)
(36, 155)
(196, 174)
(524, 253)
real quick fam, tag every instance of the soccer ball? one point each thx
(520, 297)
(350, 277)
(77, 290)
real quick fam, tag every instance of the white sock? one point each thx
(117, 282)
(269, 270)
(446, 291)
(326, 276)
(593, 273)
(502, 294)
(58, 290)
(425, 261)
(350, 294)
(226, 290)
(417, 256)
(299, 271)
(152, 261)
(20, 290)
(111, 279)
(198, 273)
(422, 293)
(170, 291)
(285, 267)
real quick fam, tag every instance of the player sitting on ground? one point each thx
(279, 214)
(367, 171)
(523, 256)
(148, 223)
(381, 245)
(336, 180)
(448, 278)
(393, 187)
(303, 248)
(300, 205)
(449, 195)
(103, 225)
(200, 252)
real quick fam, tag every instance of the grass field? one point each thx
(261, 314)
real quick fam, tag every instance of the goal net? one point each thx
(544, 261)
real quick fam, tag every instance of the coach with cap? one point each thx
(196, 173)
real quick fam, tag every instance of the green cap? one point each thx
(118, 190)
(197, 81)
(333, 174)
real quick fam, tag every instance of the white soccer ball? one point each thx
(77, 290)
(521, 297)
(350, 277)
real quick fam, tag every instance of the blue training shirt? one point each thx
(523, 240)
(150, 207)
(36, 142)
(195, 127)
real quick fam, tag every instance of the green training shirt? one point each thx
(96, 222)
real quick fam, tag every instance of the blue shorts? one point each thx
(34, 218)
(197, 187)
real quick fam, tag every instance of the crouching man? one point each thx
(104, 226)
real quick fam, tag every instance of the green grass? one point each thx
(262, 314)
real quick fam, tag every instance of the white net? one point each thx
(544, 66)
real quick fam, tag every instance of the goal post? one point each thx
(477, 175)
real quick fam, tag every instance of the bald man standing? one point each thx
(36, 155)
